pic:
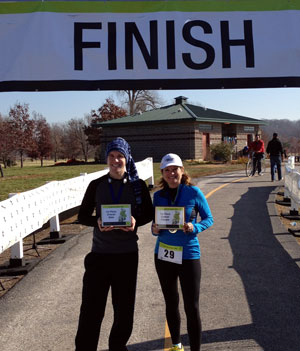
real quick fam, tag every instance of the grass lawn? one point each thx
(32, 175)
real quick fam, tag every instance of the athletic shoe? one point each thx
(260, 174)
(176, 348)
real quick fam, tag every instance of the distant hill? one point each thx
(288, 133)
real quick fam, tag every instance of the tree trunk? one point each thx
(21, 154)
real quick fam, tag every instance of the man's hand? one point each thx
(131, 228)
(104, 229)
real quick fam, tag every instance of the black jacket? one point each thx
(274, 147)
(97, 194)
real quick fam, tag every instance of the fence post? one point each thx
(54, 224)
(151, 179)
(16, 250)
(55, 227)
(289, 168)
(291, 162)
(291, 165)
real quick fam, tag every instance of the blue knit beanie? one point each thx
(121, 145)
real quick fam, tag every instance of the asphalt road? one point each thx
(250, 288)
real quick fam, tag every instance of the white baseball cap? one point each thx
(170, 160)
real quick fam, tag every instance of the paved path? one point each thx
(249, 291)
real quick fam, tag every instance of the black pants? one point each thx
(102, 272)
(257, 162)
(189, 274)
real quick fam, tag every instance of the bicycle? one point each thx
(249, 166)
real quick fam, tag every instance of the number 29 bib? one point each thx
(170, 253)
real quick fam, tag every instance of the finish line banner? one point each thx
(95, 45)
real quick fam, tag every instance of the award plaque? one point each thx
(116, 215)
(169, 217)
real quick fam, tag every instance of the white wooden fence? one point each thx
(292, 184)
(24, 213)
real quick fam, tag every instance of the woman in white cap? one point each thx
(177, 253)
(113, 260)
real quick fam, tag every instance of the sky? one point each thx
(59, 107)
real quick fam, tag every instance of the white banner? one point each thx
(149, 45)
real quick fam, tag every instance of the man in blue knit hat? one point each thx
(113, 260)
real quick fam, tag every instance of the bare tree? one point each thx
(21, 129)
(78, 138)
(57, 135)
(288, 132)
(140, 100)
(42, 146)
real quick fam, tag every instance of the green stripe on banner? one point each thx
(148, 6)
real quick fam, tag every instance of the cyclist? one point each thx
(257, 149)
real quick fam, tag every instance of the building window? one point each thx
(205, 127)
(249, 129)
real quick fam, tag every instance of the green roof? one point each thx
(182, 112)
(205, 114)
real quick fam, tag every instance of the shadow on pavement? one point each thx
(271, 278)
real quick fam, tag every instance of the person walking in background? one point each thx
(183, 262)
(257, 149)
(274, 148)
(113, 260)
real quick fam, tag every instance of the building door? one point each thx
(205, 147)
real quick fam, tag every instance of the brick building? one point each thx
(185, 129)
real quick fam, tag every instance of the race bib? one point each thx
(170, 253)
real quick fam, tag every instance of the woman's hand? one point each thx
(155, 229)
(188, 227)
